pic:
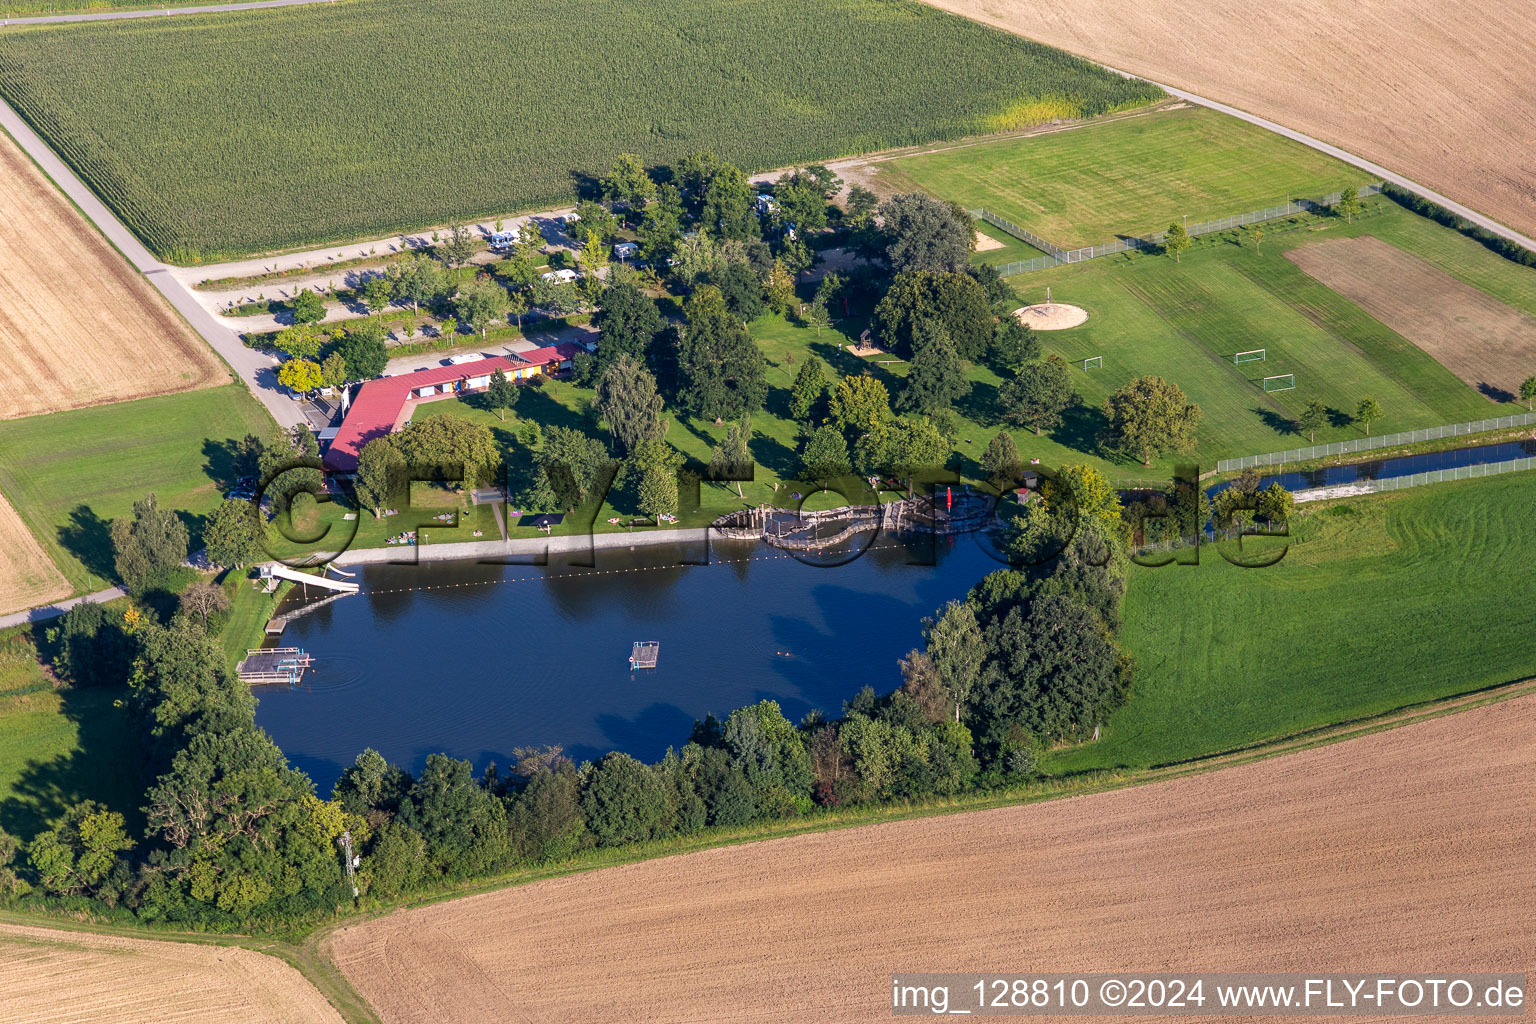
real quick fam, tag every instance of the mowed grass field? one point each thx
(1380, 602)
(1129, 176)
(1185, 321)
(70, 474)
(1366, 849)
(409, 114)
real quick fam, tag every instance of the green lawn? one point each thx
(1184, 321)
(1134, 175)
(1381, 602)
(70, 473)
(60, 746)
(358, 120)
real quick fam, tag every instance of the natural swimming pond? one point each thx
(474, 660)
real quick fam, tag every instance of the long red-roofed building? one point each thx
(382, 405)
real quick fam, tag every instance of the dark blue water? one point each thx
(1406, 465)
(476, 660)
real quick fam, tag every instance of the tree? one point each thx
(76, 856)
(451, 443)
(291, 456)
(937, 379)
(727, 205)
(742, 291)
(808, 389)
(502, 394)
(901, 447)
(1528, 391)
(721, 371)
(1176, 241)
(658, 463)
(517, 305)
(463, 823)
(924, 233)
(859, 404)
(378, 292)
(592, 258)
(955, 301)
(730, 459)
(233, 534)
(781, 290)
(1258, 237)
(300, 376)
(92, 646)
(457, 247)
(824, 455)
(1312, 419)
(1038, 394)
(627, 322)
(1367, 410)
(204, 599)
(593, 218)
(301, 341)
(380, 474)
(571, 462)
(308, 308)
(364, 350)
(149, 544)
(802, 200)
(1014, 346)
(1001, 461)
(626, 802)
(1349, 204)
(554, 298)
(481, 304)
(448, 329)
(1149, 417)
(629, 404)
(333, 372)
(530, 242)
(628, 183)
(956, 647)
(418, 280)
(859, 208)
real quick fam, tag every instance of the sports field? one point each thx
(69, 474)
(1323, 860)
(78, 325)
(1186, 321)
(1129, 176)
(1447, 100)
(409, 114)
(1380, 602)
(48, 976)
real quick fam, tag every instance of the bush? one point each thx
(1513, 251)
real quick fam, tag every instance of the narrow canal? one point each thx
(476, 660)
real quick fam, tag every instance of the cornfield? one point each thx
(222, 135)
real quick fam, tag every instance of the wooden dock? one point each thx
(274, 665)
(276, 625)
(645, 654)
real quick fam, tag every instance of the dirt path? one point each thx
(155, 12)
(1407, 847)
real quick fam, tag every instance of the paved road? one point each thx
(157, 12)
(53, 611)
(258, 370)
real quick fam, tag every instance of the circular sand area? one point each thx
(1051, 316)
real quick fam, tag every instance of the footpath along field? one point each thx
(1355, 853)
(509, 124)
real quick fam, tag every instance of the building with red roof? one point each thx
(383, 405)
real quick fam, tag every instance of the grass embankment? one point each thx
(242, 174)
(1129, 176)
(70, 474)
(1381, 602)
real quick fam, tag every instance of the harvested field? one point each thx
(79, 325)
(27, 576)
(1408, 847)
(1484, 342)
(1448, 101)
(48, 976)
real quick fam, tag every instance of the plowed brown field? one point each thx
(1478, 338)
(1442, 93)
(78, 325)
(1403, 850)
(49, 977)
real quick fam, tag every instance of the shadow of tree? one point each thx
(1275, 421)
(1495, 393)
(88, 537)
(1080, 428)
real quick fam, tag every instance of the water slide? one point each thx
(281, 571)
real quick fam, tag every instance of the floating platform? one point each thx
(274, 665)
(645, 654)
(276, 626)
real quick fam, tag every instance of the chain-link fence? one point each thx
(1397, 483)
(1057, 255)
(1366, 444)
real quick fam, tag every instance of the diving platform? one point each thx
(274, 665)
(645, 654)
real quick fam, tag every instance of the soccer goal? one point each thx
(1093, 363)
(1256, 355)
(1284, 382)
